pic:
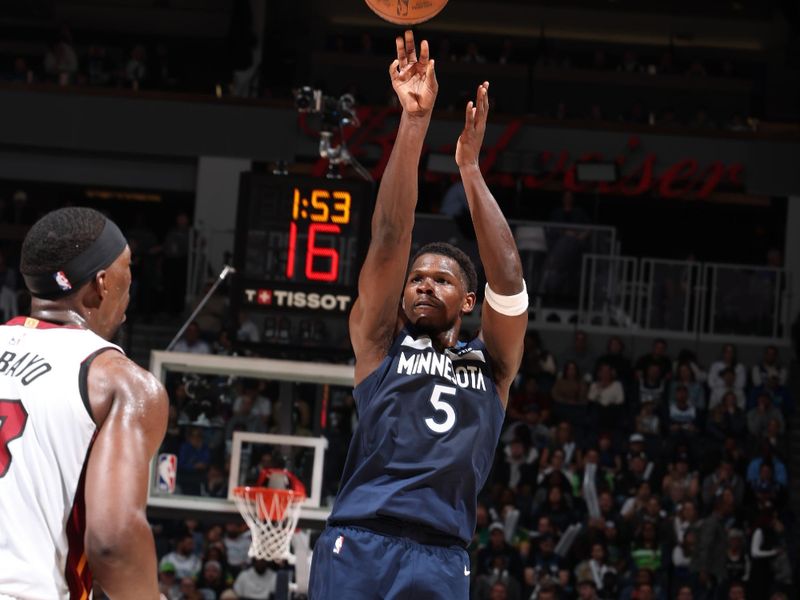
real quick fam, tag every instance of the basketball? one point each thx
(406, 12)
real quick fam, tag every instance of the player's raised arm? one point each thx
(374, 317)
(119, 543)
(505, 316)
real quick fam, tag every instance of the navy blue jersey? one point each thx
(428, 427)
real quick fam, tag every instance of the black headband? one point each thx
(99, 255)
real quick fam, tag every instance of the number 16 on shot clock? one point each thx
(326, 210)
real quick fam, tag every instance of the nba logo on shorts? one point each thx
(167, 470)
(337, 546)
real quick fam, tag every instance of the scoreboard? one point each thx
(300, 243)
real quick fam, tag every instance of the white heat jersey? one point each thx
(46, 430)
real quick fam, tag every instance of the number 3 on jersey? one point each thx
(13, 418)
(442, 406)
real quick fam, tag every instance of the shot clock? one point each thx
(300, 243)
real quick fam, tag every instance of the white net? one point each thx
(272, 518)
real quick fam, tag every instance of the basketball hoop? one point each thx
(271, 513)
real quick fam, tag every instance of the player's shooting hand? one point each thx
(413, 80)
(468, 149)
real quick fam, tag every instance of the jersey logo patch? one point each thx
(337, 546)
(422, 343)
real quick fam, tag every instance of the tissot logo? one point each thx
(287, 299)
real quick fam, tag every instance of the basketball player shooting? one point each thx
(79, 422)
(430, 408)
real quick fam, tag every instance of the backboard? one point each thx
(231, 416)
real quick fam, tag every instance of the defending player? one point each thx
(430, 408)
(79, 422)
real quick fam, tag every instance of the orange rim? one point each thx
(275, 501)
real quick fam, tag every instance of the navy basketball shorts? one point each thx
(351, 563)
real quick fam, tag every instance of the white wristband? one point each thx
(510, 306)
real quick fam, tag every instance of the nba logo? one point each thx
(337, 546)
(167, 470)
(62, 281)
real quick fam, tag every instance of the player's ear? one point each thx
(95, 290)
(468, 305)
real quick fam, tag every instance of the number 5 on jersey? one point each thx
(441, 406)
(13, 418)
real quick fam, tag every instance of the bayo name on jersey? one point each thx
(28, 367)
(433, 363)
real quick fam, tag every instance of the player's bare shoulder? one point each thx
(115, 378)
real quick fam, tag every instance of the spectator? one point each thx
(556, 507)
(473, 54)
(708, 561)
(519, 465)
(136, 67)
(595, 567)
(248, 330)
(682, 415)
(737, 561)
(183, 560)
(61, 60)
(686, 376)
(630, 63)
(581, 355)
(647, 421)
(682, 559)
(211, 582)
(544, 562)
(727, 361)
(531, 407)
(727, 419)
(652, 386)
(538, 362)
(758, 418)
(188, 590)
(257, 581)
(609, 459)
(569, 396)
(726, 385)
(639, 494)
(587, 589)
(499, 584)
(176, 264)
(684, 520)
(608, 395)
(555, 471)
(192, 342)
(616, 359)
(498, 547)
(167, 581)
(724, 477)
(508, 54)
(216, 483)
(781, 396)
(768, 367)
(680, 484)
(658, 357)
(779, 469)
(771, 566)
(193, 460)
(251, 389)
(237, 543)
(765, 492)
(564, 441)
